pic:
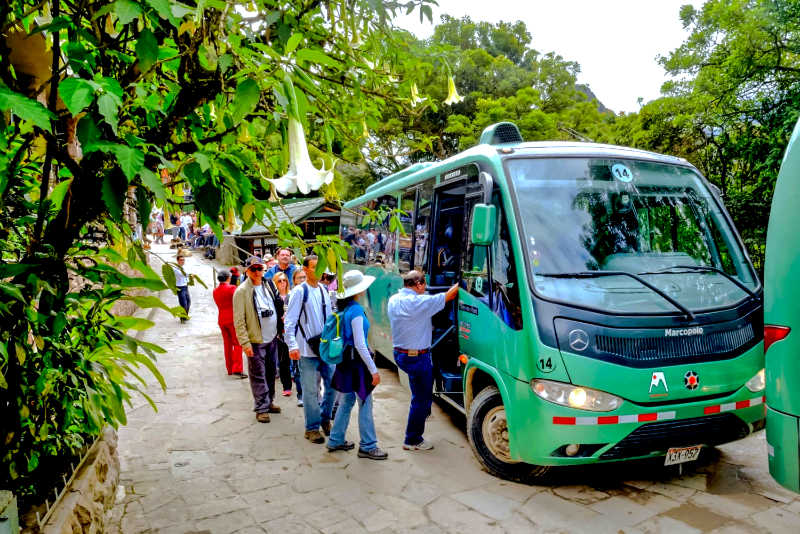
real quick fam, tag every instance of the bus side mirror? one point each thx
(484, 224)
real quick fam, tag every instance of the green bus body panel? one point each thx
(783, 433)
(510, 356)
(716, 377)
(782, 308)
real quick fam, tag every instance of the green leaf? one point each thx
(25, 108)
(246, 98)
(56, 198)
(113, 191)
(292, 43)
(315, 56)
(132, 323)
(12, 290)
(208, 199)
(146, 50)
(76, 93)
(169, 276)
(126, 10)
(88, 133)
(143, 206)
(130, 160)
(163, 10)
(181, 10)
(152, 182)
(207, 56)
(108, 108)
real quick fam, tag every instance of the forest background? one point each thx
(111, 107)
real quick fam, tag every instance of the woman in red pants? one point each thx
(223, 296)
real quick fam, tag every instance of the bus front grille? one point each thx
(658, 437)
(667, 349)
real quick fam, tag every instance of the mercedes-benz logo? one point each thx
(578, 340)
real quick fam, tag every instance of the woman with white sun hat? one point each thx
(357, 375)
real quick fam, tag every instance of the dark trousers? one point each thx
(233, 351)
(261, 368)
(420, 379)
(183, 298)
(284, 366)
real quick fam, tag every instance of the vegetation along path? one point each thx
(203, 464)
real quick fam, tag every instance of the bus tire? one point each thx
(487, 432)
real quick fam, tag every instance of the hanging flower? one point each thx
(452, 94)
(415, 98)
(302, 174)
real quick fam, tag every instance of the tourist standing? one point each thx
(284, 265)
(309, 305)
(223, 297)
(357, 375)
(284, 362)
(182, 285)
(257, 308)
(410, 311)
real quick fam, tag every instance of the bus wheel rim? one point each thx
(495, 434)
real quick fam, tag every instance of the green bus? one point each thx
(608, 310)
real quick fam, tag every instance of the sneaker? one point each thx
(421, 446)
(274, 409)
(314, 436)
(262, 417)
(240, 376)
(300, 402)
(373, 454)
(287, 392)
(346, 446)
(326, 427)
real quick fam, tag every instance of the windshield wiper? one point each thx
(645, 283)
(708, 268)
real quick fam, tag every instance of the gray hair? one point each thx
(223, 274)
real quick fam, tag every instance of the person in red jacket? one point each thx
(223, 296)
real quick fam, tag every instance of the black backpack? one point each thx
(313, 341)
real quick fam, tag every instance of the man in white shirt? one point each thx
(186, 221)
(257, 310)
(309, 305)
(182, 283)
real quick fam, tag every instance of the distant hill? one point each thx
(583, 88)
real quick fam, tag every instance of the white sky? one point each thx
(614, 41)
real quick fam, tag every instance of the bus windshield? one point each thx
(603, 215)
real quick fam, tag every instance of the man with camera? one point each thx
(257, 317)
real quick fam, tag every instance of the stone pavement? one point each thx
(202, 464)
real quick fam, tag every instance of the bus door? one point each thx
(782, 322)
(452, 205)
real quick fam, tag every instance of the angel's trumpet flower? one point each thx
(415, 98)
(452, 94)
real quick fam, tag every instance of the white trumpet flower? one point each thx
(452, 94)
(302, 174)
(415, 98)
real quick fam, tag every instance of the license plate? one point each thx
(682, 455)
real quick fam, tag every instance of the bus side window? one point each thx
(506, 300)
(422, 225)
(476, 275)
(405, 243)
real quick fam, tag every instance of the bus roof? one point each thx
(419, 171)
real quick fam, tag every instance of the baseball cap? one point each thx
(253, 260)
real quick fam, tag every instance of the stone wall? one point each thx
(86, 504)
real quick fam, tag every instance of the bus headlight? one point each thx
(758, 382)
(575, 396)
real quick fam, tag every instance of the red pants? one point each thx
(233, 351)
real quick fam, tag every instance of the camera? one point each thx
(266, 313)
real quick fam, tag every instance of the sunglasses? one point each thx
(257, 268)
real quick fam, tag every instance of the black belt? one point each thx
(412, 352)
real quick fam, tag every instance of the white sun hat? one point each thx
(353, 283)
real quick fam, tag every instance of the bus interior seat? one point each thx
(634, 262)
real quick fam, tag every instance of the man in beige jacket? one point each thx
(258, 318)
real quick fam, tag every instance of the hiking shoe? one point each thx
(314, 436)
(274, 409)
(326, 427)
(240, 376)
(287, 392)
(300, 402)
(373, 454)
(421, 446)
(346, 446)
(262, 417)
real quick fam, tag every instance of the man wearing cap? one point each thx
(257, 310)
(309, 305)
(283, 266)
(410, 311)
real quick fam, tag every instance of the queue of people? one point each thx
(275, 318)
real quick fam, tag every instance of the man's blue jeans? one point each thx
(316, 411)
(420, 378)
(366, 424)
(183, 298)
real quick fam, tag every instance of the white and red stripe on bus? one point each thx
(656, 416)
